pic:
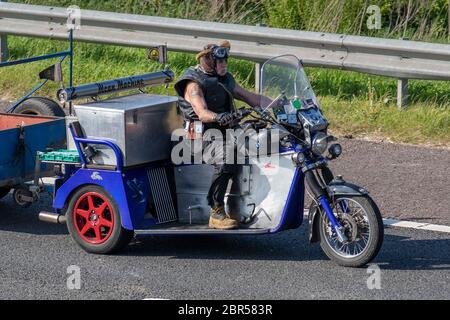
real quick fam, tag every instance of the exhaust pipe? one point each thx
(52, 217)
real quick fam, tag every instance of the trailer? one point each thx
(35, 141)
(21, 137)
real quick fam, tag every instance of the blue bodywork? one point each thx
(127, 189)
(130, 187)
(18, 147)
(293, 211)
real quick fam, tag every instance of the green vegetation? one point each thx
(356, 104)
(418, 20)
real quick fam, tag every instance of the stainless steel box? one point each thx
(141, 125)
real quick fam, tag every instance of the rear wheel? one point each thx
(40, 106)
(94, 221)
(363, 227)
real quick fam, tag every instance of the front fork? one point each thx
(338, 228)
(321, 194)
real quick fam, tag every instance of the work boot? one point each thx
(235, 215)
(219, 219)
(233, 210)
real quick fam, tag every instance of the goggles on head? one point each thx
(220, 52)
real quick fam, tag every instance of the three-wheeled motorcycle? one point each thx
(126, 183)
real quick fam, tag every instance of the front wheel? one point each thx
(94, 221)
(363, 227)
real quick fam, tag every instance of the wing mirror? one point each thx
(53, 73)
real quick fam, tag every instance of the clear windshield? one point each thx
(285, 75)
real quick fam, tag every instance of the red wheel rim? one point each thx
(93, 218)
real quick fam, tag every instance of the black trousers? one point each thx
(224, 172)
(222, 176)
(214, 152)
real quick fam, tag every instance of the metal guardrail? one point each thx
(400, 59)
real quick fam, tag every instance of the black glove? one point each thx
(243, 112)
(224, 118)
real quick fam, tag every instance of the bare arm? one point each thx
(194, 95)
(252, 99)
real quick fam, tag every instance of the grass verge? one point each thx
(356, 104)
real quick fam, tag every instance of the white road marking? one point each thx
(409, 224)
(416, 225)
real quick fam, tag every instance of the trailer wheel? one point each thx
(20, 196)
(40, 106)
(4, 191)
(94, 221)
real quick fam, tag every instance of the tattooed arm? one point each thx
(194, 95)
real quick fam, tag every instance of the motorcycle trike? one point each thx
(128, 184)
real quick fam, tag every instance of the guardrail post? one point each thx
(402, 93)
(257, 76)
(3, 45)
(258, 66)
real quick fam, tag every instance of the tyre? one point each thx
(4, 191)
(94, 221)
(40, 106)
(363, 227)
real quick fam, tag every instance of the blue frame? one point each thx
(62, 55)
(126, 188)
(78, 141)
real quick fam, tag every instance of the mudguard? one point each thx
(111, 181)
(340, 187)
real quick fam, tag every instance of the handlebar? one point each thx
(242, 113)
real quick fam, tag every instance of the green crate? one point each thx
(60, 156)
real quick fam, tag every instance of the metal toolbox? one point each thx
(141, 125)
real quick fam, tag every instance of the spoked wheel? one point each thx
(363, 227)
(94, 221)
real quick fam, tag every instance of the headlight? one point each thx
(320, 143)
(298, 158)
(335, 150)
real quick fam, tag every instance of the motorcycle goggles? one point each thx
(220, 52)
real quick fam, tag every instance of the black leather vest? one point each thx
(217, 91)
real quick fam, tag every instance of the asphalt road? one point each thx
(414, 264)
(407, 182)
